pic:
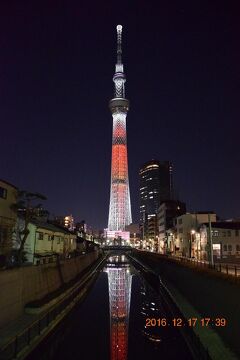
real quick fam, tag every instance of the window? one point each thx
(49, 237)
(224, 247)
(3, 193)
(3, 235)
(236, 232)
(40, 236)
(179, 221)
(229, 233)
(180, 230)
(229, 247)
(237, 247)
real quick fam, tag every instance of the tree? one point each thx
(27, 211)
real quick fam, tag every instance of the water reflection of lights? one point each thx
(152, 338)
(119, 284)
(152, 307)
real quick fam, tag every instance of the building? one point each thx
(81, 229)
(225, 241)
(184, 235)
(156, 186)
(65, 221)
(8, 217)
(167, 212)
(45, 241)
(134, 231)
(119, 207)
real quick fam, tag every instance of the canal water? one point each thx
(113, 322)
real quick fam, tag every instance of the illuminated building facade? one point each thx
(119, 285)
(120, 207)
(65, 221)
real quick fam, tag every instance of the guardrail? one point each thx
(24, 338)
(228, 269)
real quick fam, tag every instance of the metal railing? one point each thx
(225, 268)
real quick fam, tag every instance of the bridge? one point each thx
(120, 248)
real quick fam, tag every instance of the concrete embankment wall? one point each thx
(212, 296)
(22, 285)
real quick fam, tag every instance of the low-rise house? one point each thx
(225, 241)
(81, 245)
(8, 217)
(167, 212)
(46, 241)
(186, 232)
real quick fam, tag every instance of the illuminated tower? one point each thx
(120, 207)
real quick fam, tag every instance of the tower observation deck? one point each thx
(120, 207)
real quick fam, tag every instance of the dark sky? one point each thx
(182, 62)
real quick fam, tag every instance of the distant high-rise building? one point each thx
(155, 186)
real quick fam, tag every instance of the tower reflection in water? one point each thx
(119, 285)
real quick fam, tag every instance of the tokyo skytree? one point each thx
(120, 206)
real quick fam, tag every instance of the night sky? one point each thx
(182, 66)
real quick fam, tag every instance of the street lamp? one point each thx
(171, 243)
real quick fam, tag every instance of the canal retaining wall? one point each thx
(22, 285)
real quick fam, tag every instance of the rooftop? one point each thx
(8, 183)
(225, 225)
(50, 226)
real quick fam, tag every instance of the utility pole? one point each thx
(210, 239)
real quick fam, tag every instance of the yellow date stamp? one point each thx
(191, 322)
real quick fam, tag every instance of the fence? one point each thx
(228, 269)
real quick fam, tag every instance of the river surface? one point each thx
(110, 324)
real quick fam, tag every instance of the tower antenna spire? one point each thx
(119, 78)
(119, 44)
